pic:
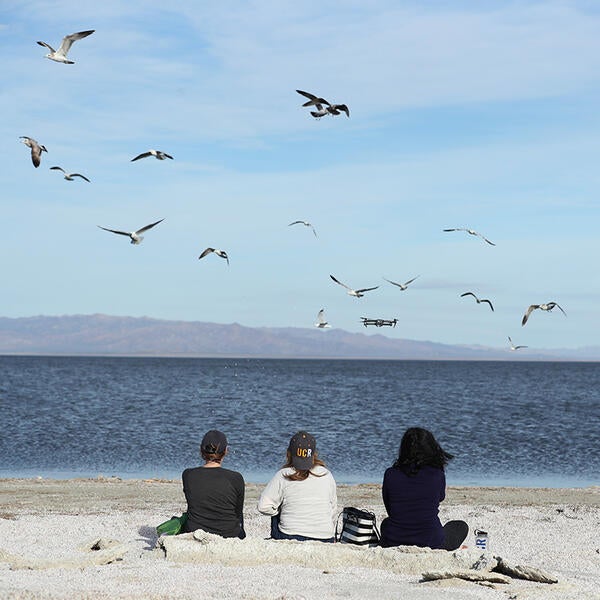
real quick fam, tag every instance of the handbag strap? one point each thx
(338, 532)
(376, 529)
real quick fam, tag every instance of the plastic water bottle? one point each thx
(481, 539)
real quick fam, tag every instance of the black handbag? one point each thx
(358, 527)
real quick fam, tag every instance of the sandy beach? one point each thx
(95, 538)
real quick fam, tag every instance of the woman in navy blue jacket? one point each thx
(412, 491)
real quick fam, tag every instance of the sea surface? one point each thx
(507, 423)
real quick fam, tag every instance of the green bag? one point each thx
(173, 526)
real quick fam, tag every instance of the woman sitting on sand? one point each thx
(412, 491)
(215, 496)
(301, 498)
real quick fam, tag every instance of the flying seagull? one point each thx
(312, 99)
(60, 55)
(402, 286)
(547, 307)
(330, 109)
(69, 176)
(335, 109)
(220, 253)
(135, 236)
(351, 292)
(513, 347)
(471, 232)
(36, 149)
(156, 153)
(321, 322)
(479, 300)
(306, 224)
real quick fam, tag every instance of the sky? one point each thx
(477, 115)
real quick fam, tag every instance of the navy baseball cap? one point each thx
(302, 448)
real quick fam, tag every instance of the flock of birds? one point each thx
(321, 322)
(322, 107)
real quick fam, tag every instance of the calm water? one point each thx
(506, 423)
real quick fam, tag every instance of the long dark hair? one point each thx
(419, 448)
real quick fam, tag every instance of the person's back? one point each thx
(412, 491)
(215, 496)
(301, 499)
(306, 507)
(412, 503)
(215, 499)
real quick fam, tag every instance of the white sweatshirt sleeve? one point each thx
(333, 500)
(272, 496)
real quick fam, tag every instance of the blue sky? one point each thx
(481, 115)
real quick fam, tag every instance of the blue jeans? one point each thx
(277, 534)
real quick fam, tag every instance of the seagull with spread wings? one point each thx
(156, 153)
(329, 109)
(471, 232)
(135, 236)
(69, 176)
(402, 286)
(351, 292)
(479, 300)
(321, 322)
(513, 347)
(312, 99)
(305, 223)
(36, 149)
(220, 253)
(548, 306)
(60, 55)
(321, 111)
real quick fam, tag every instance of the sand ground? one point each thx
(47, 528)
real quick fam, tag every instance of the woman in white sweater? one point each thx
(301, 498)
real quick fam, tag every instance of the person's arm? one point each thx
(184, 482)
(272, 496)
(385, 493)
(239, 509)
(333, 500)
(443, 487)
(239, 505)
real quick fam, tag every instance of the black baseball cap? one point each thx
(214, 442)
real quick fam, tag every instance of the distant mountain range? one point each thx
(129, 336)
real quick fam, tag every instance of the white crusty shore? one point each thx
(95, 538)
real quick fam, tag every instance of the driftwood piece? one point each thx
(523, 572)
(468, 575)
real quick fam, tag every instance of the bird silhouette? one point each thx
(135, 236)
(479, 300)
(351, 292)
(548, 306)
(60, 55)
